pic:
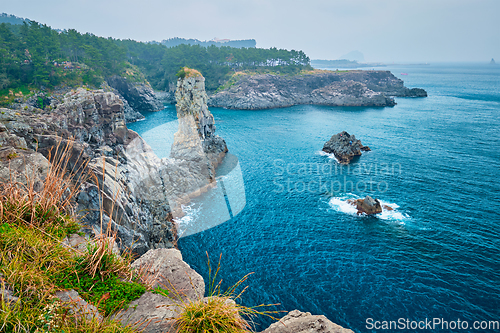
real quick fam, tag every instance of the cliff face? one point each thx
(196, 151)
(138, 191)
(353, 88)
(137, 97)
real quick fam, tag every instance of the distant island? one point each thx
(173, 42)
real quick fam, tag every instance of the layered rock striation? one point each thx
(344, 147)
(352, 88)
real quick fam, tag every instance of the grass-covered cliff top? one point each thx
(186, 72)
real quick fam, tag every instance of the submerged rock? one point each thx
(303, 322)
(345, 147)
(368, 205)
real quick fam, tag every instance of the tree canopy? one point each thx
(35, 55)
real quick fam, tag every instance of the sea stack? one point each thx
(345, 147)
(195, 139)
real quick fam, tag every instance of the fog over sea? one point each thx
(434, 160)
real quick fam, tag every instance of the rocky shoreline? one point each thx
(341, 88)
(141, 194)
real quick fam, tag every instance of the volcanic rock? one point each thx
(368, 205)
(344, 146)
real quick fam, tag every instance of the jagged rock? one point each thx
(196, 124)
(78, 306)
(368, 205)
(23, 166)
(196, 150)
(352, 88)
(140, 96)
(135, 187)
(172, 273)
(344, 146)
(300, 322)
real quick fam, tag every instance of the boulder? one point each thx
(368, 205)
(165, 269)
(300, 322)
(344, 147)
(171, 272)
(150, 313)
(78, 306)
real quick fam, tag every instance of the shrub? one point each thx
(219, 312)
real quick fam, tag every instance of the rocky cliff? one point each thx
(137, 97)
(140, 193)
(352, 88)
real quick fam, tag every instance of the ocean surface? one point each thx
(435, 160)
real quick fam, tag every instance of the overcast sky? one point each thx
(385, 30)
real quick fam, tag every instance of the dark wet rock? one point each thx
(353, 88)
(368, 205)
(344, 146)
(303, 322)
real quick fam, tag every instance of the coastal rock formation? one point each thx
(300, 322)
(196, 150)
(129, 183)
(352, 88)
(139, 96)
(133, 186)
(368, 205)
(345, 147)
(155, 312)
(172, 273)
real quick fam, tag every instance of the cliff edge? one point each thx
(341, 88)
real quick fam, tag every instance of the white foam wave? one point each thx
(340, 204)
(190, 215)
(324, 153)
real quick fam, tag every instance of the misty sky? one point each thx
(385, 30)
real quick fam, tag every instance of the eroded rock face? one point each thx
(139, 96)
(353, 88)
(368, 205)
(300, 322)
(345, 147)
(196, 151)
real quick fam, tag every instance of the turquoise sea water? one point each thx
(435, 160)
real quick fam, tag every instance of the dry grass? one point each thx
(32, 227)
(220, 311)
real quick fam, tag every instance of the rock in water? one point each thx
(344, 146)
(368, 205)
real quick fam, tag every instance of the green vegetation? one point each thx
(35, 263)
(34, 56)
(219, 312)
